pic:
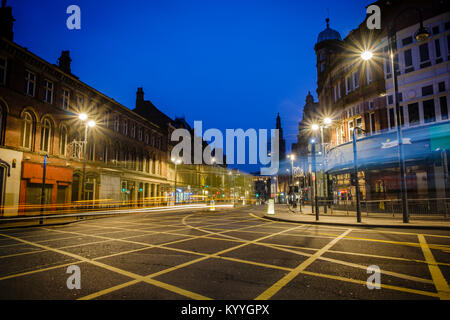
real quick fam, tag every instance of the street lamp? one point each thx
(355, 160)
(422, 34)
(326, 122)
(313, 151)
(292, 158)
(87, 124)
(176, 161)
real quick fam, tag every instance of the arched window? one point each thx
(63, 141)
(46, 133)
(27, 130)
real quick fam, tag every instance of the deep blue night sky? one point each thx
(232, 64)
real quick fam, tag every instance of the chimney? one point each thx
(139, 96)
(64, 61)
(6, 21)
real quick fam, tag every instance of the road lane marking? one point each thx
(439, 281)
(268, 293)
(37, 270)
(217, 254)
(364, 283)
(403, 243)
(128, 274)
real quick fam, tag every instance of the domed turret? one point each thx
(328, 33)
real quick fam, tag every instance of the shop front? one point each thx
(58, 182)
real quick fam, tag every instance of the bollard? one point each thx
(271, 207)
(211, 206)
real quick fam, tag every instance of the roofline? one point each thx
(76, 79)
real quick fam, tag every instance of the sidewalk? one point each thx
(284, 213)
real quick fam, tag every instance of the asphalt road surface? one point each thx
(231, 254)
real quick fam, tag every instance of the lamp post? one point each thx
(292, 158)
(176, 162)
(87, 124)
(315, 127)
(421, 35)
(313, 163)
(355, 160)
(41, 220)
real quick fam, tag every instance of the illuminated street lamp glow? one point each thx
(315, 127)
(91, 123)
(83, 116)
(366, 55)
(327, 121)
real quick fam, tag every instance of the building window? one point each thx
(30, 83)
(435, 30)
(2, 71)
(27, 130)
(390, 99)
(371, 105)
(63, 141)
(80, 103)
(125, 127)
(159, 142)
(441, 86)
(350, 130)
(147, 164)
(408, 61)
(387, 63)
(426, 91)
(448, 46)
(413, 113)
(133, 130)
(46, 132)
(91, 151)
(369, 74)
(116, 123)
(372, 123)
(141, 163)
(348, 84)
(106, 119)
(48, 91)
(424, 56)
(335, 93)
(65, 99)
(437, 46)
(105, 153)
(147, 138)
(339, 90)
(355, 77)
(116, 155)
(429, 114)
(140, 134)
(153, 140)
(391, 118)
(444, 108)
(322, 67)
(358, 124)
(407, 41)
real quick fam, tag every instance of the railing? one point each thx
(433, 207)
